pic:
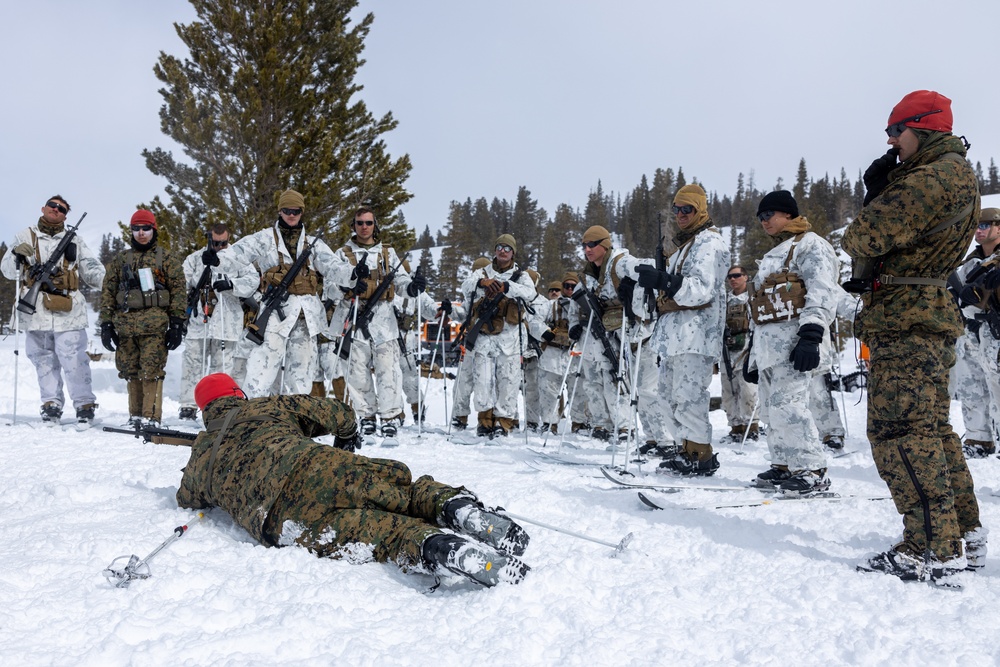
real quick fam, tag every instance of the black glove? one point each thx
(417, 285)
(575, 332)
(70, 254)
(175, 333)
(361, 270)
(548, 335)
(805, 354)
(991, 280)
(969, 296)
(210, 257)
(109, 337)
(222, 284)
(445, 307)
(625, 289)
(877, 175)
(651, 278)
(348, 443)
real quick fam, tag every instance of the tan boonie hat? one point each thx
(291, 199)
(990, 215)
(598, 233)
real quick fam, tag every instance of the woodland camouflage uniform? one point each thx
(142, 352)
(911, 332)
(284, 488)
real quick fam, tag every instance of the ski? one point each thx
(389, 442)
(565, 460)
(772, 500)
(468, 440)
(615, 477)
(645, 500)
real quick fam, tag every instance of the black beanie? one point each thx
(780, 200)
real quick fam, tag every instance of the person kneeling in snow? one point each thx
(257, 461)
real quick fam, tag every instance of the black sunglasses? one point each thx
(142, 228)
(569, 285)
(897, 129)
(734, 276)
(364, 223)
(59, 207)
(686, 209)
(292, 211)
(220, 244)
(764, 216)
(592, 244)
(553, 289)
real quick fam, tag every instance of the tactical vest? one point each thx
(612, 310)
(378, 273)
(559, 326)
(64, 281)
(781, 296)
(507, 312)
(130, 294)
(737, 318)
(666, 304)
(305, 281)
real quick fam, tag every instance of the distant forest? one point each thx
(550, 244)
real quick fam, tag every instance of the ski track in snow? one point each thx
(756, 585)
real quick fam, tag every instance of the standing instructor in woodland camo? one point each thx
(919, 218)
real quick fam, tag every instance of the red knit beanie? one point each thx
(216, 385)
(922, 102)
(143, 217)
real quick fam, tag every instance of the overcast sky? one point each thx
(553, 95)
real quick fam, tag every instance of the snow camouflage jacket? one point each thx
(260, 248)
(88, 268)
(226, 321)
(620, 263)
(383, 326)
(928, 189)
(406, 307)
(556, 314)
(704, 262)
(968, 265)
(509, 340)
(144, 321)
(255, 458)
(815, 261)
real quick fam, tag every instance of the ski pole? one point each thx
(17, 341)
(619, 385)
(746, 431)
(568, 408)
(121, 577)
(421, 396)
(618, 547)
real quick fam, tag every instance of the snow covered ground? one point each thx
(772, 584)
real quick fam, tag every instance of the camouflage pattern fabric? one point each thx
(914, 447)
(792, 437)
(825, 407)
(141, 357)
(989, 360)
(295, 350)
(370, 367)
(738, 395)
(58, 353)
(144, 321)
(684, 384)
(201, 357)
(911, 332)
(497, 382)
(968, 385)
(462, 391)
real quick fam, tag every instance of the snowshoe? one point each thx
(468, 516)
(390, 427)
(190, 414)
(368, 426)
(975, 548)
(474, 560)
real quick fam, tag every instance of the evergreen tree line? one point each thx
(640, 218)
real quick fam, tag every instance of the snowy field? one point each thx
(772, 584)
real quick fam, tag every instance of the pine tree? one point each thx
(526, 225)
(428, 270)
(266, 101)
(993, 184)
(425, 240)
(7, 289)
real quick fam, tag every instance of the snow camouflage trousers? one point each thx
(331, 501)
(792, 436)
(532, 398)
(738, 395)
(969, 385)
(548, 396)
(54, 354)
(297, 352)
(462, 391)
(915, 449)
(684, 381)
(141, 357)
(388, 380)
(497, 384)
(201, 357)
(989, 358)
(825, 407)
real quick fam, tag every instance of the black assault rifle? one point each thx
(661, 265)
(159, 436)
(43, 273)
(276, 296)
(366, 314)
(588, 304)
(487, 311)
(199, 291)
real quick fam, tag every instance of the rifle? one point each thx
(366, 315)
(727, 361)
(588, 304)
(159, 436)
(195, 292)
(276, 296)
(487, 310)
(43, 274)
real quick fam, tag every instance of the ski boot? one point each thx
(467, 515)
(772, 478)
(368, 425)
(85, 415)
(805, 482)
(190, 414)
(51, 413)
(474, 560)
